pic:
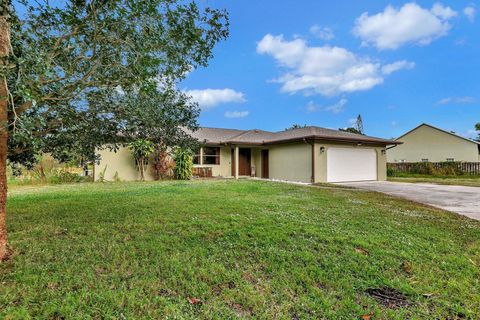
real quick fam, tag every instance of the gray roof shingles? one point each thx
(260, 137)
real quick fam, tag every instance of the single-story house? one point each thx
(309, 154)
(427, 143)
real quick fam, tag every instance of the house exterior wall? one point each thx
(224, 169)
(121, 162)
(321, 160)
(291, 162)
(429, 143)
(257, 161)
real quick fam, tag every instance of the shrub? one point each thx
(422, 168)
(390, 172)
(116, 177)
(101, 175)
(45, 170)
(426, 169)
(69, 177)
(449, 169)
(183, 164)
(141, 149)
(163, 166)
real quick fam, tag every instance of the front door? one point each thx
(265, 164)
(244, 161)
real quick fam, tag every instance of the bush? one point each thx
(449, 169)
(183, 164)
(391, 172)
(163, 166)
(425, 169)
(46, 170)
(69, 177)
(141, 150)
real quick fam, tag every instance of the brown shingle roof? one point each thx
(260, 137)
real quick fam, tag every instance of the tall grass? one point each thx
(47, 170)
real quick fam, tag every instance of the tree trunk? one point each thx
(4, 52)
(142, 169)
(3, 169)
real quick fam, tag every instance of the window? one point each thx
(211, 155)
(424, 160)
(196, 156)
(450, 160)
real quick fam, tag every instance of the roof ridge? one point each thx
(257, 136)
(241, 134)
(202, 127)
(439, 129)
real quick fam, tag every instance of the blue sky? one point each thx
(322, 63)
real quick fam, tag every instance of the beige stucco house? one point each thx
(427, 143)
(310, 154)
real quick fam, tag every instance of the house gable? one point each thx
(428, 143)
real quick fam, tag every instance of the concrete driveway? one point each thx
(459, 199)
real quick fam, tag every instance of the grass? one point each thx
(245, 249)
(471, 181)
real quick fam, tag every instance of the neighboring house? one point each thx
(309, 154)
(427, 143)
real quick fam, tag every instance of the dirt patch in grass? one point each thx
(389, 297)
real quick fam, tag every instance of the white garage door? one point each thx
(351, 164)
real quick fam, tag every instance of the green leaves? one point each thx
(141, 148)
(184, 164)
(70, 61)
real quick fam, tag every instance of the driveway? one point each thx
(459, 199)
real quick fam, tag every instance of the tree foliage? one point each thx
(357, 126)
(295, 126)
(141, 150)
(70, 61)
(477, 128)
(350, 129)
(62, 62)
(183, 164)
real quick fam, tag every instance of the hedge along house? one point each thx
(310, 155)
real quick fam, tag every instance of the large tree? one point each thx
(61, 65)
(477, 128)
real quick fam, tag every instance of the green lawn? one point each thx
(244, 249)
(471, 181)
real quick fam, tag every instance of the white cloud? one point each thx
(209, 98)
(470, 12)
(337, 107)
(236, 114)
(399, 65)
(411, 23)
(322, 70)
(334, 108)
(443, 12)
(313, 107)
(323, 33)
(457, 100)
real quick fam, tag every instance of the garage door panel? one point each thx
(351, 164)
